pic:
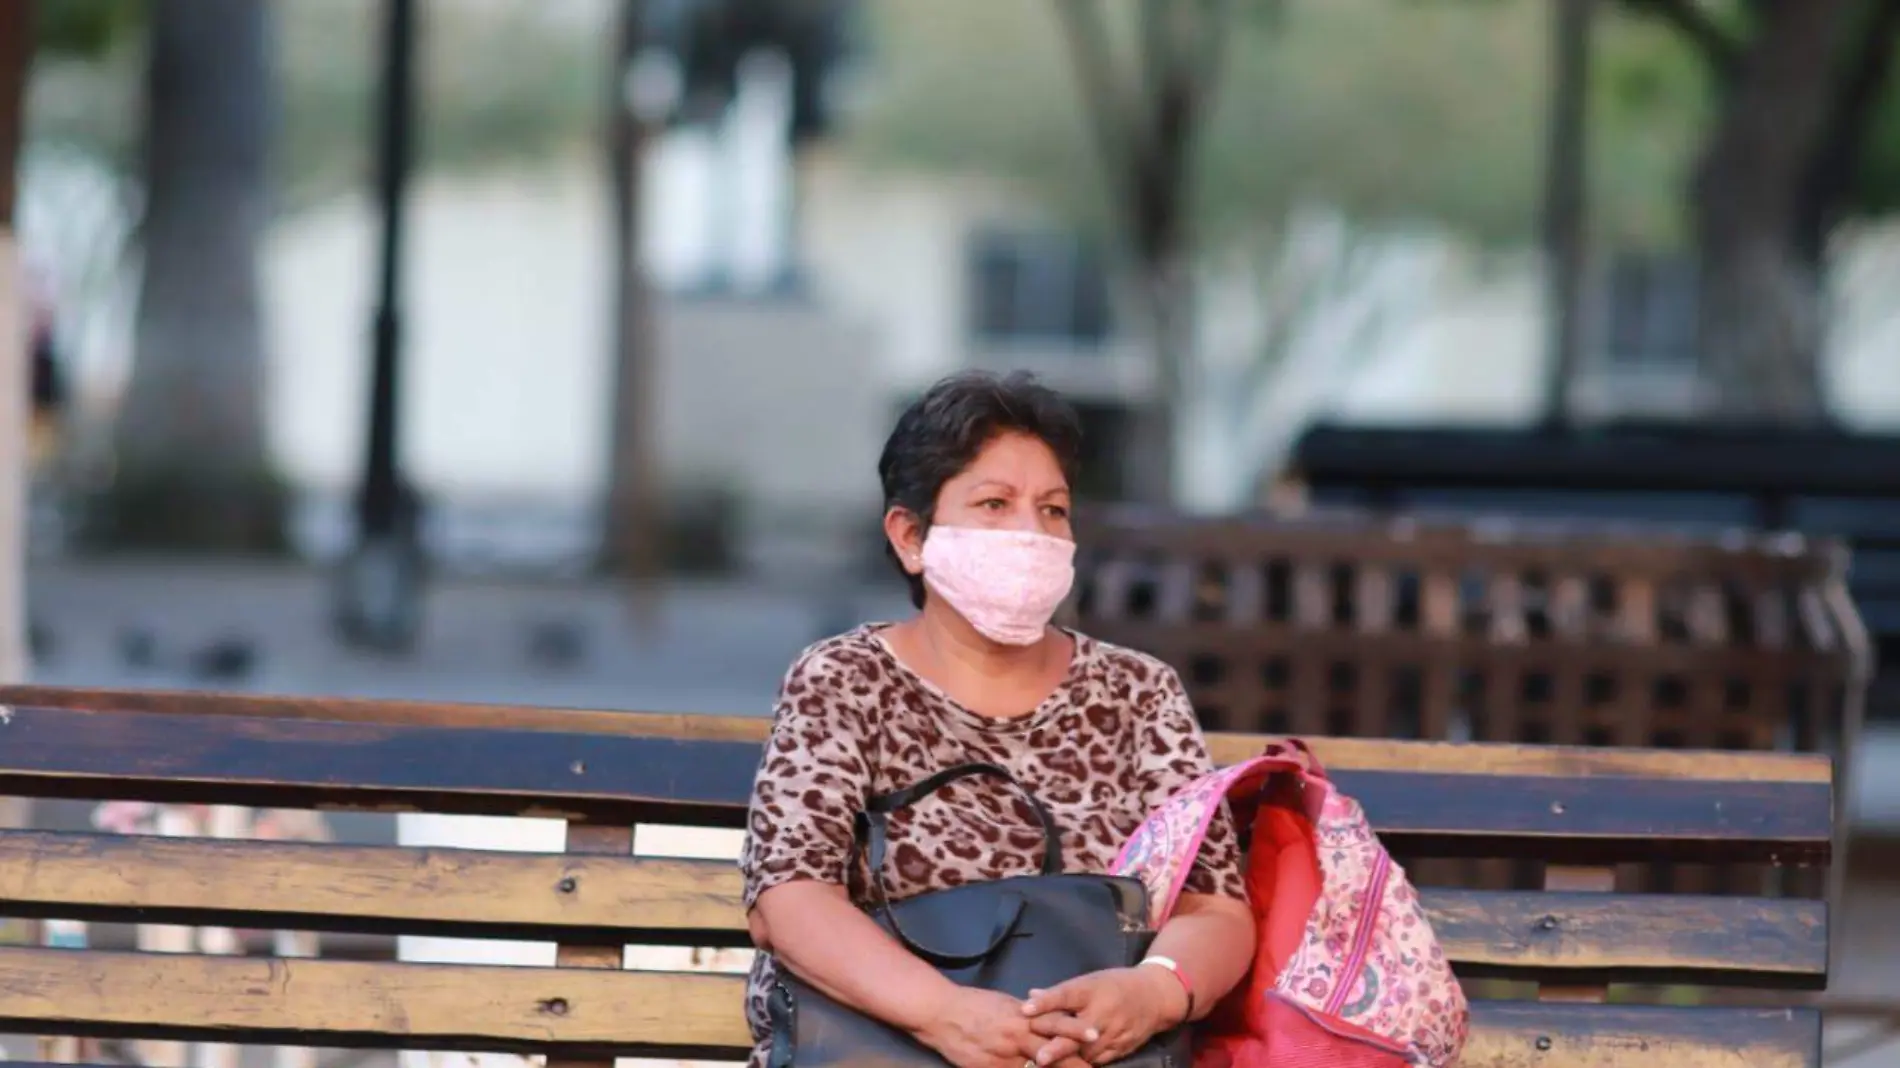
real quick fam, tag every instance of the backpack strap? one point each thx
(1162, 851)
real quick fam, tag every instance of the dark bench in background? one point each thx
(1821, 483)
(1569, 945)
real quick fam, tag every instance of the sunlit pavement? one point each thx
(718, 647)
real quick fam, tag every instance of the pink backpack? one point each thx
(1348, 973)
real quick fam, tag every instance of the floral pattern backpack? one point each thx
(1347, 973)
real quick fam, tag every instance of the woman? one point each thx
(976, 481)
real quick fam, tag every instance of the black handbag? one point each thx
(1009, 935)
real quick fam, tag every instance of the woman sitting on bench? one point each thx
(976, 479)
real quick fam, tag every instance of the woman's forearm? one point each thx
(1212, 939)
(813, 929)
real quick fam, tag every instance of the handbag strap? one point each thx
(872, 827)
(873, 835)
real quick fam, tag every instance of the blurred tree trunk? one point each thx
(1829, 185)
(16, 56)
(1798, 95)
(1145, 131)
(193, 469)
(1761, 306)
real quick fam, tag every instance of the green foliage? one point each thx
(1877, 190)
(1401, 111)
(501, 83)
(327, 65)
(978, 87)
(497, 84)
(88, 28)
(1651, 101)
(1390, 112)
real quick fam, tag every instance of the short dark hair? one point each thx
(939, 435)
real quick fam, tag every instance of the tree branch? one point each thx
(1691, 19)
(1102, 95)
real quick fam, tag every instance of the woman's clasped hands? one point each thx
(1120, 1010)
(976, 1028)
(1089, 1021)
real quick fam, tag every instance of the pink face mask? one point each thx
(1006, 583)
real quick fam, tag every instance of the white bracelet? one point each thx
(1186, 986)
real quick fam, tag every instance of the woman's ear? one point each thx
(906, 534)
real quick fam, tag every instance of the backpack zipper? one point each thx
(1362, 938)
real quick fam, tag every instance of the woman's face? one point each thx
(1014, 483)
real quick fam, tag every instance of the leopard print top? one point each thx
(1114, 739)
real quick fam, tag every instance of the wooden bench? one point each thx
(1344, 622)
(1820, 482)
(1575, 810)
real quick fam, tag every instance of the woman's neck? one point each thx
(958, 647)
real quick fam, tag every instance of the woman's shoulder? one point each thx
(1122, 666)
(851, 657)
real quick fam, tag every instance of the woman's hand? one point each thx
(975, 1028)
(1125, 1007)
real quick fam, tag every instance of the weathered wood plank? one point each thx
(603, 953)
(1509, 1034)
(1363, 754)
(1590, 821)
(1653, 938)
(371, 889)
(572, 1011)
(1560, 879)
(632, 779)
(611, 899)
(326, 764)
(575, 1012)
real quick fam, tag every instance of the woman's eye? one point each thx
(1057, 511)
(994, 504)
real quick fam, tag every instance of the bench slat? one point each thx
(1450, 758)
(620, 778)
(656, 901)
(1575, 938)
(355, 1004)
(1509, 1034)
(1365, 754)
(578, 1012)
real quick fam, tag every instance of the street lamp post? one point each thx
(379, 584)
(1565, 203)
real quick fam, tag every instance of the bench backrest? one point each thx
(607, 774)
(1818, 482)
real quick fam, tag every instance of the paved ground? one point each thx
(719, 648)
